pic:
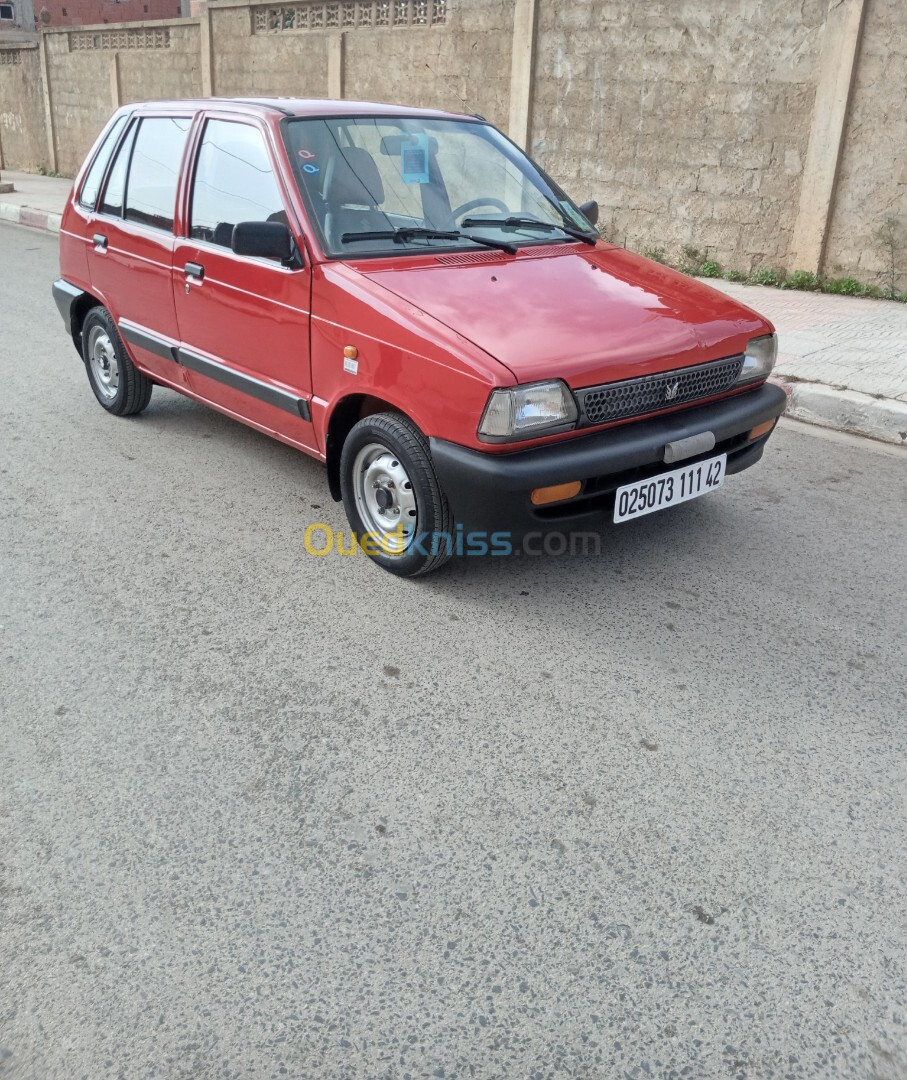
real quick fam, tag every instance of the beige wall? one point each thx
(292, 63)
(464, 66)
(873, 176)
(686, 119)
(692, 122)
(23, 141)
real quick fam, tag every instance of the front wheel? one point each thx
(390, 491)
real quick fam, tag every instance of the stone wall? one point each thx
(289, 64)
(23, 140)
(464, 66)
(872, 183)
(687, 120)
(729, 126)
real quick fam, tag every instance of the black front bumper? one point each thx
(491, 491)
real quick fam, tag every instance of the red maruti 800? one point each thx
(403, 294)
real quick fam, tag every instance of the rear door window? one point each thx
(154, 170)
(233, 182)
(92, 184)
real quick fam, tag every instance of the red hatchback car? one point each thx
(405, 295)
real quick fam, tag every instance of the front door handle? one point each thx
(195, 272)
(100, 242)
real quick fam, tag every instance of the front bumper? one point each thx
(491, 492)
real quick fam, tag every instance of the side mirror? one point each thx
(590, 211)
(266, 240)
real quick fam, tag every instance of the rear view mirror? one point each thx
(590, 211)
(266, 240)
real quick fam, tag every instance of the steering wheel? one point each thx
(473, 204)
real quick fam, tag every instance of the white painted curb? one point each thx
(34, 219)
(847, 410)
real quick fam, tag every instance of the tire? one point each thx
(117, 383)
(388, 451)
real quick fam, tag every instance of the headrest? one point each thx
(356, 180)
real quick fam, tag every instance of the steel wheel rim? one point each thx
(102, 358)
(385, 498)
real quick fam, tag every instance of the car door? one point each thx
(243, 321)
(131, 231)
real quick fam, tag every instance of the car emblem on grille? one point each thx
(671, 390)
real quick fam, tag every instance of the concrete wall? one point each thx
(463, 66)
(23, 140)
(761, 132)
(291, 63)
(688, 120)
(872, 182)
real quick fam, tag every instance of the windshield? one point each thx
(386, 185)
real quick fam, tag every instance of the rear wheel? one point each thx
(117, 383)
(390, 490)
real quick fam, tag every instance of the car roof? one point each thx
(302, 107)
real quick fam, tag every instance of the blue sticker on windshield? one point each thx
(311, 169)
(414, 159)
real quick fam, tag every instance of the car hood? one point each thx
(586, 315)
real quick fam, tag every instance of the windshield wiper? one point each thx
(401, 236)
(531, 223)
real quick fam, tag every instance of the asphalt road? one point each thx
(269, 815)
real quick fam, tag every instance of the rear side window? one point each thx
(154, 170)
(112, 199)
(233, 182)
(92, 185)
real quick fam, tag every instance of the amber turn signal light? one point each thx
(350, 352)
(555, 493)
(761, 429)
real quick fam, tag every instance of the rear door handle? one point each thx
(195, 272)
(100, 242)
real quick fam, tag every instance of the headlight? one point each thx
(522, 412)
(759, 359)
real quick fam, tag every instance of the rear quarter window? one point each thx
(92, 184)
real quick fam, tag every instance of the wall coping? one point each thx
(99, 28)
(9, 46)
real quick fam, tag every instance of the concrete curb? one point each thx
(25, 215)
(846, 410)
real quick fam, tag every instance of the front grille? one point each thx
(650, 393)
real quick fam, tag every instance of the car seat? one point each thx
(353, 191)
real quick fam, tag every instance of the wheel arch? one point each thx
(346, 413)
(79, 311)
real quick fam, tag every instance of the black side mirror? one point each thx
(265, 239)
(590, 211)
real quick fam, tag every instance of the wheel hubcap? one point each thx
(384, 497)
(103, 360)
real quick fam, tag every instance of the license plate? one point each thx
(669, 489)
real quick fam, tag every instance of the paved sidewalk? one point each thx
(37, 201)
(843, 360)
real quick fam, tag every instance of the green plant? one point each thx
(735, 275)
(846, 286)
(890, 236)
(48, 172)
(710, 269)
(803, 279)
(767, 275)
(656, 254)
